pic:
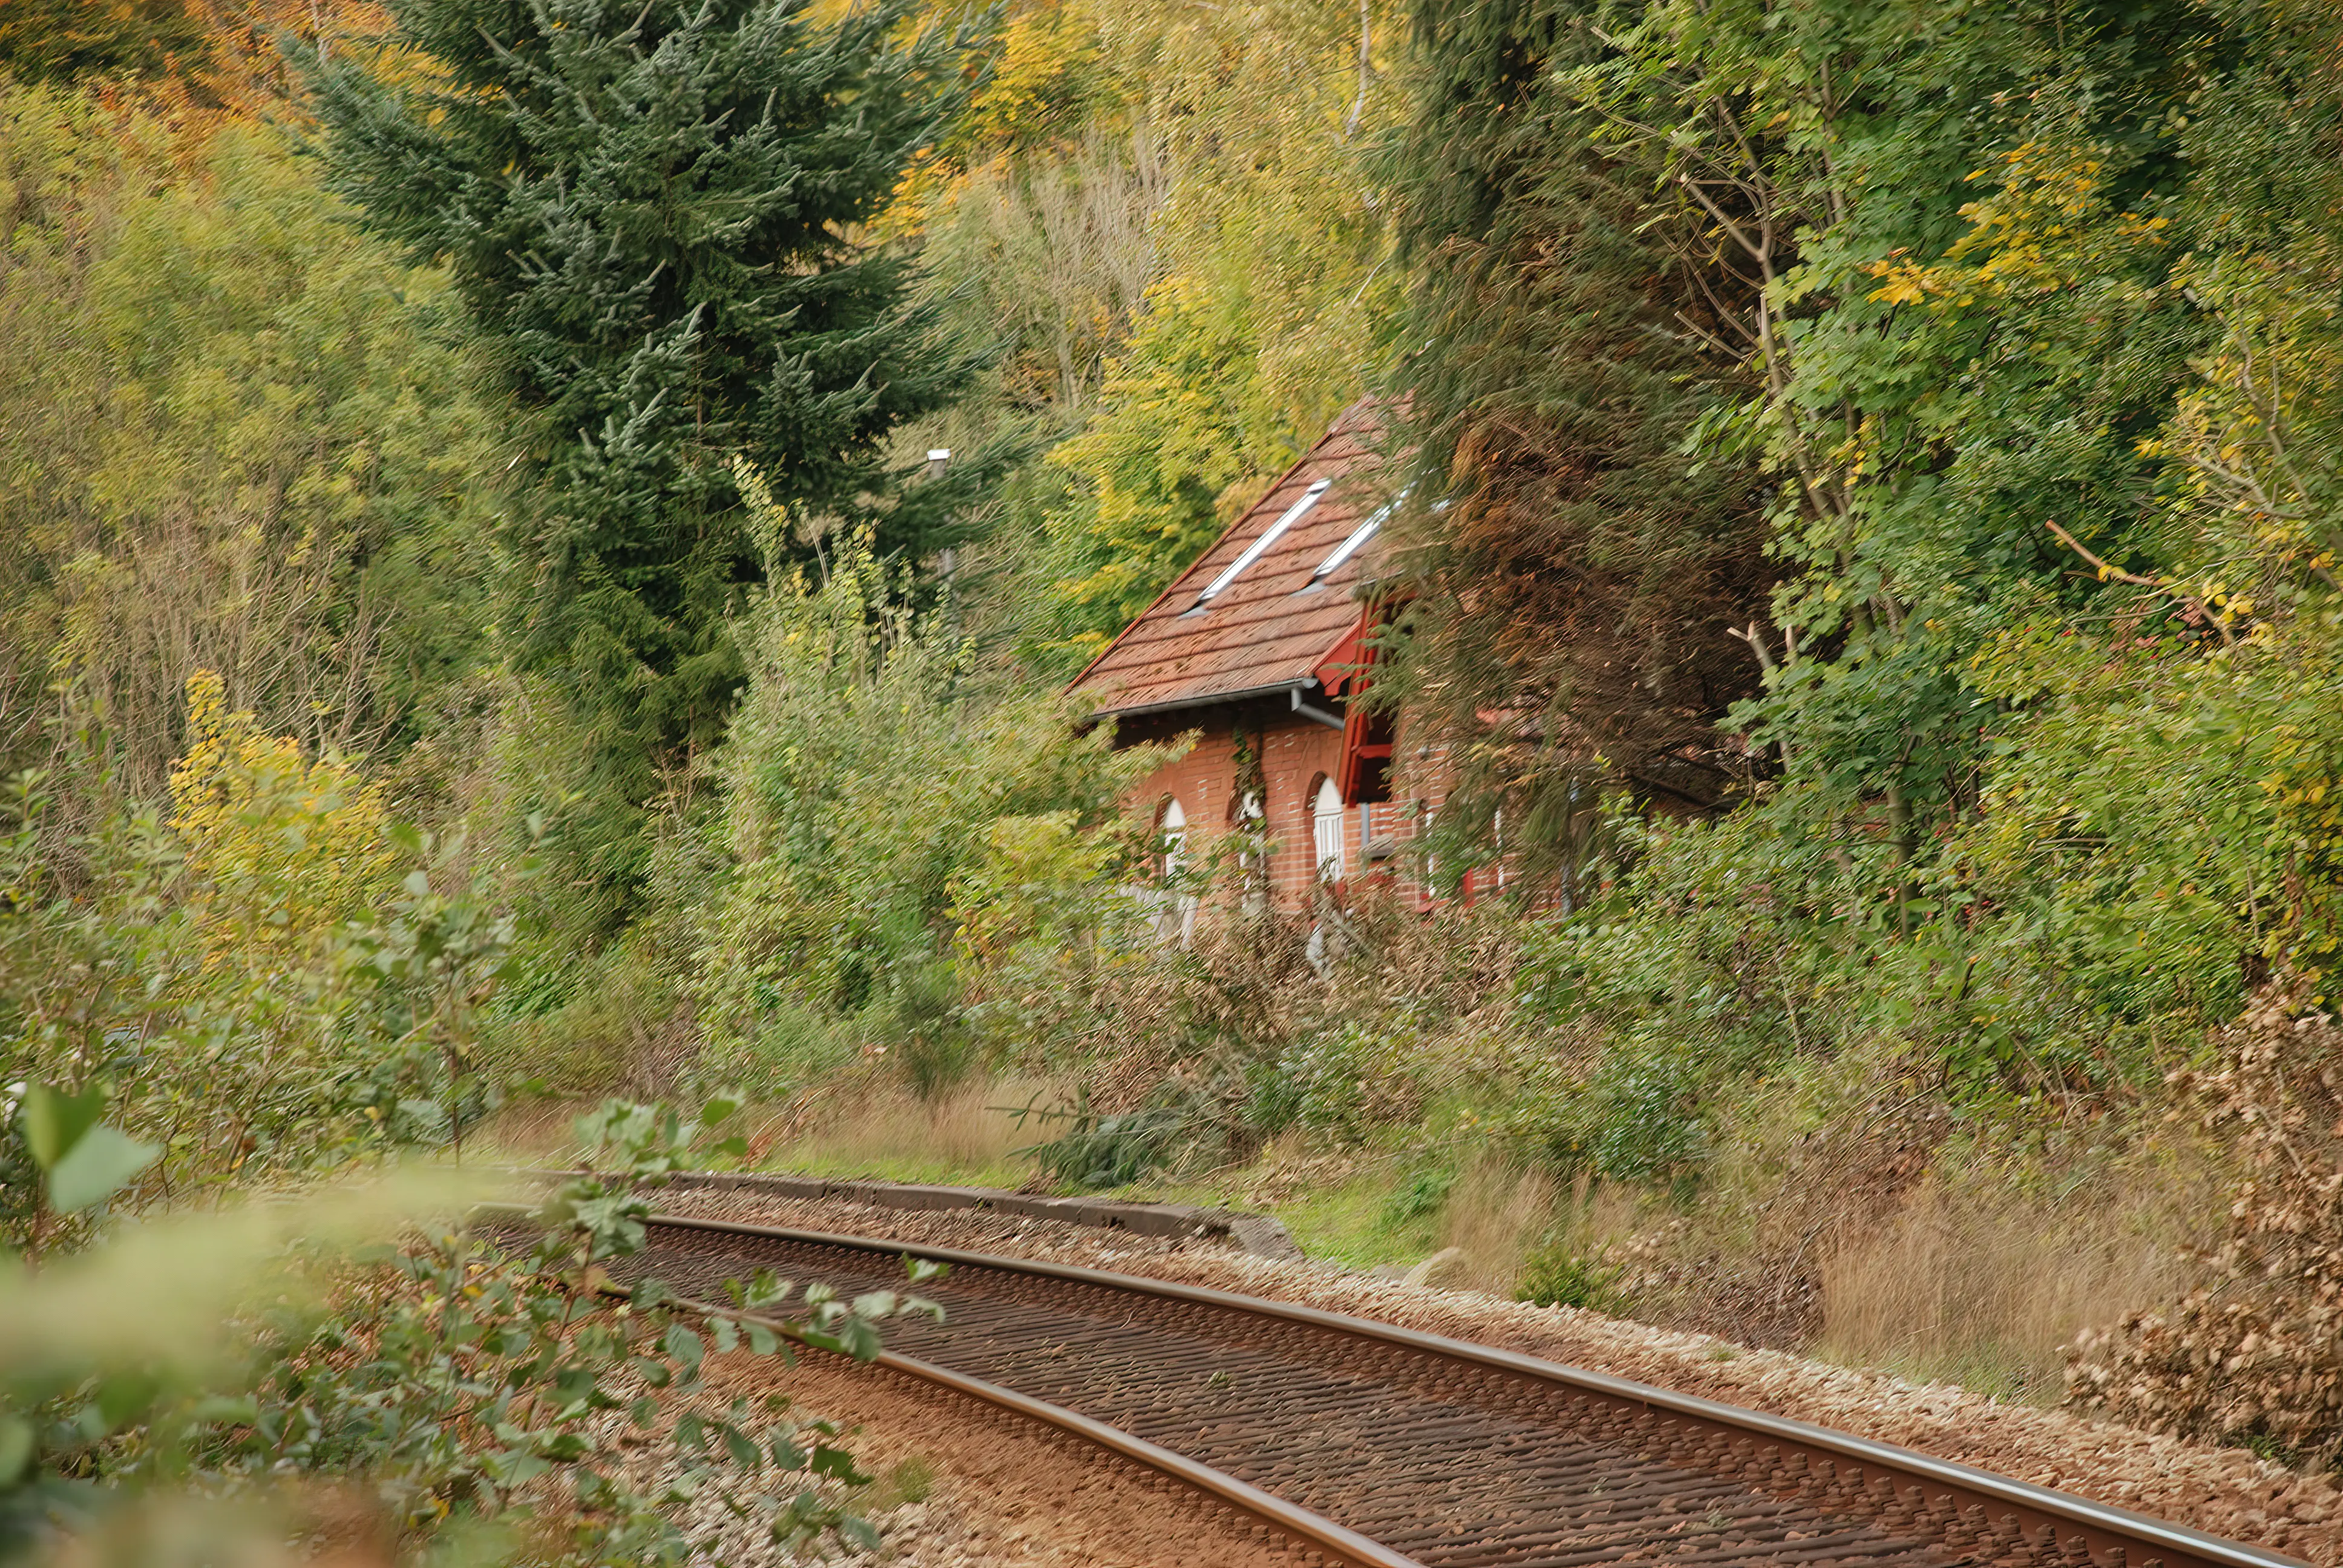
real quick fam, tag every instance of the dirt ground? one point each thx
(993, 1493)
(2224, 1492)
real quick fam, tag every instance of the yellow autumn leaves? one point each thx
(2047, 226)
(280, 848)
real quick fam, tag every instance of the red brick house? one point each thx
(1258, 649)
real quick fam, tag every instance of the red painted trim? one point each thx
(1359, 745)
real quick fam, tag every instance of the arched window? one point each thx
(1326, 830)
(1171, 827)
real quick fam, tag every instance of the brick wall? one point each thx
(1296, 753)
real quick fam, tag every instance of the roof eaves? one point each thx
(1205, 699)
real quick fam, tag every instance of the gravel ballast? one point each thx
(1005, 1492)
(2224, 1492)
(992, 1490)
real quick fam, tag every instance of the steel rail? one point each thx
(1332, 1541)
(2112, 1536)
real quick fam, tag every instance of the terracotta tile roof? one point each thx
(1271, 629)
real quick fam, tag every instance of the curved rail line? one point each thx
(1364, 1443)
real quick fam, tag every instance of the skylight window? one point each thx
(1269, 536)
(1357, 541)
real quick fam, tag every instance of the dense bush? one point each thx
(2249, 1356)
(1557, 1277)
(902, 840)
(273, 978)
(239, 436)
(647, 343)
(2031, 419)
(2151, 839)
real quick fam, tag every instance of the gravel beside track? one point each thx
(2223, 1491)
(1005, 1494)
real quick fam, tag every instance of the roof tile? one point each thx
(1271, 628)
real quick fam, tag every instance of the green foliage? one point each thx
(1425, 1194)
(2033, 369)
(650, 214)
(911, 1480)
(61, 40)
(274, 979)
(1273, 228)
(217, 1058)
(1736, 950)
(1340, 1076)
(1160, 462)
(1036, 929)
(439, 950)
(1095, 1151)
(1033, 216)
(285, 848)
(453, 1374)
(239, 438)
(878, 789)
(1570, 561)
(1319, 1083)
(83, 1160)
(1554, 1277)
(1917, 431)
(1164, 219)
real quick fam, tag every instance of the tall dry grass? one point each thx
(1496, 1214)
(873, 1127)
(1980, 1271)
(1985, 1286)
(878, 1126)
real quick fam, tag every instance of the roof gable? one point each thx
(1290, 604)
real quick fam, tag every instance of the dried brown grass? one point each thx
(877, 1127)
(1985, 1286)
(1496, 1215)
(527, 1131)
(872, 1126)
(1876, 1242)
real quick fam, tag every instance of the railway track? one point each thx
(1360, 1443)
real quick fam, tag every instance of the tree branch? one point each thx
(2106, 571)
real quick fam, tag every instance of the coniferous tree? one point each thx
(651, 208)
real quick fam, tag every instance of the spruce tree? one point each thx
(651, 208)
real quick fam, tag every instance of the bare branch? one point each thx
(1762, 254)
(2189, 602)
(1755, 638)
(2106, 571)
